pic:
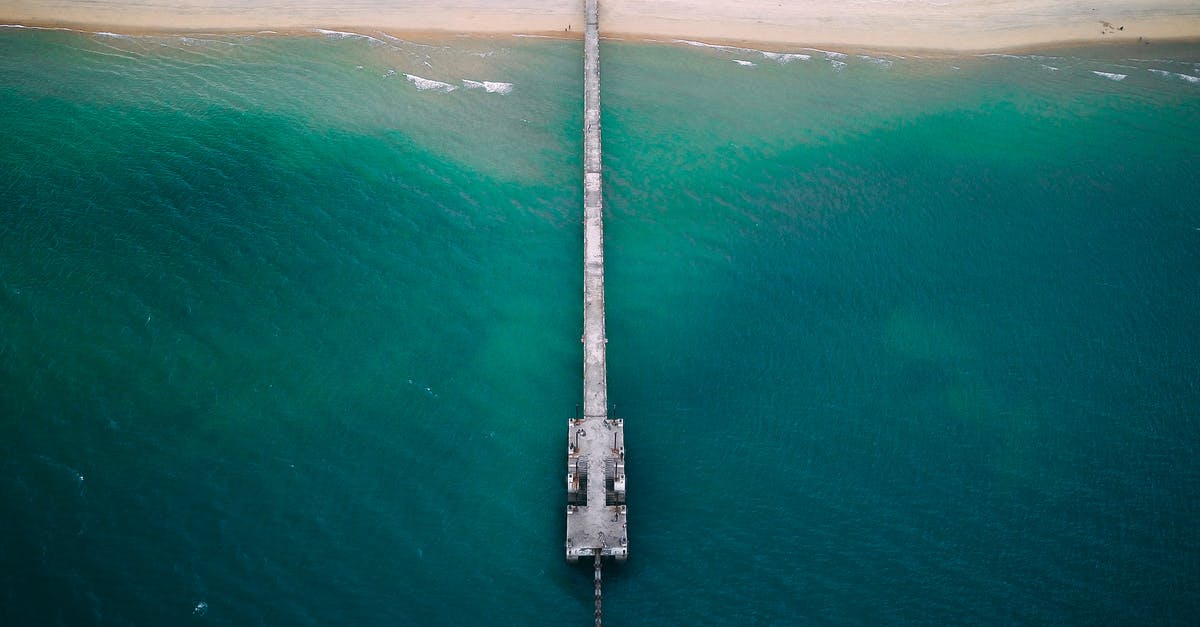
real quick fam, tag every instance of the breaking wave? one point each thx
(490, 87)
(427, 84)
(340, 34)
(780, 57)
(1185, 77)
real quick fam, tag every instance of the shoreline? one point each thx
(954, 27)
(439, 36)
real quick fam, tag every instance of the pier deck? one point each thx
(595, 442)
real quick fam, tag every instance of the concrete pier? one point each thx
(595, 442)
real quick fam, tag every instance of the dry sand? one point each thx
(892, 24)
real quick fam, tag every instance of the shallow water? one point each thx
(289, 340)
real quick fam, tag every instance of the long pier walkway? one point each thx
(595, 441)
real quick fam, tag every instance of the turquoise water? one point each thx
(286, 339)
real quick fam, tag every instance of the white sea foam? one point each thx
(340, 34)
(1171, 61)
(744, 63)
(1049, 67)
(199, 41)
(837, 65)
(781, 57)
(491, 87)
(884, 63)
(72, 30)
(405, 42)
(701, 44)
(1185, 77)
(829, 54)
(1111, 76)
(786, 57)
(425, 84)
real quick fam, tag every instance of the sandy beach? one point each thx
(892, 24)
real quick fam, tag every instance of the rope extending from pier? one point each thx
(596, 578)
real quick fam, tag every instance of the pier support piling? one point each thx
(596, 579)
